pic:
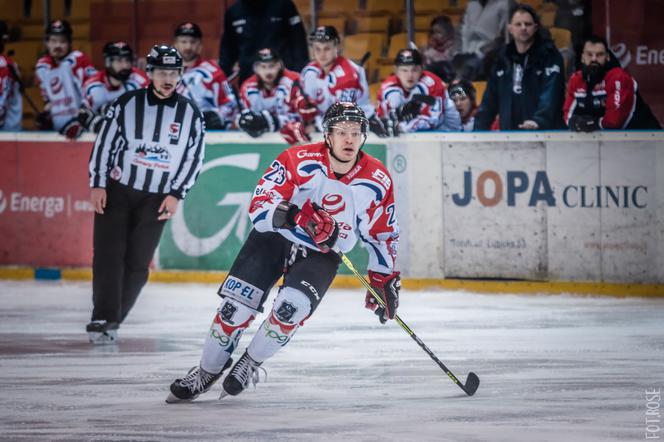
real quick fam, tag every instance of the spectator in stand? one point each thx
(602, 95)
(441, 48)
(526, 88)
(463, 93)
(331, 78)
(203, 81)
(104, 87)
(272, 101)
(61, 74)
(250, 25)
(482, 24)
(11, 105)
(413, 99)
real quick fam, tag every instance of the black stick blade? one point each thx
(471, 384)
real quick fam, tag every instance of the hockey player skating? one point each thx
(61, 74)
(331, 78)
(413, 99)
(203, 81)
(313, 200)
(104, 87)
(272, 101)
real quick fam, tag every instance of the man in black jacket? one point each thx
(526, 87)
(250, 25)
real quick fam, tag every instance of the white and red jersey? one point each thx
(361, 202)
(285, 100)
(99, 91)
(346, 81)
(205, 83)
(612, 100)
(441, 115)
(62, 84)
(11, 105)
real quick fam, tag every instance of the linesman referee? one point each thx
(147, 156)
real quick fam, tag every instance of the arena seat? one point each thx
(334, 8)
(338, 22)
(561, 37)
(372, 23)
(400, 41)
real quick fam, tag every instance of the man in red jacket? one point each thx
(602, 95)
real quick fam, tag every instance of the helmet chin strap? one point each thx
(329, 147)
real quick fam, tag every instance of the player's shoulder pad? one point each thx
(375, 170)
(311, 69)
(617, 74)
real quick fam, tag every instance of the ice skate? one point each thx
(196, 382)
(245, 371)
(102, 332)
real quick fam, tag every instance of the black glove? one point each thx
(256, 124)
(43, 121)
(72, 129)
(387, 287)
(583, 123)
(409, 110)
(89, 120)
(376, 126)
(391, 124)
(213, 121)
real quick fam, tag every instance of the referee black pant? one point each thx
(125, 238)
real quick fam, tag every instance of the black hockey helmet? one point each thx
(266, 55)
(408, 57)
(189, 29)
(324, 34)
(462, 88)
(164, 57)
(59, 27)
(118, 49)
(344, 111)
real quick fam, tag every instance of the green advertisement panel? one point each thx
(213, 222)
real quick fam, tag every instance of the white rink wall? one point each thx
(536, 206)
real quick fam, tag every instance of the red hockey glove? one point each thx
(72, 129)
(293, 132)
(318, 224)
(387, 287)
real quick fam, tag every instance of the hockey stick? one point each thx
(472, 382)
(21, 85)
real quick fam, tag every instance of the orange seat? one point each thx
(372, 23)
(561, 37)
(400, 41)
(335, 8)
(338, 22)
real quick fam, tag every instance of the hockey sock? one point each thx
(231, 320)
(291, 308)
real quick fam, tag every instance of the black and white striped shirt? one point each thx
(149, 144)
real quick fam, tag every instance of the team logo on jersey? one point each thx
(333, 203)
(382, 178)
(56, 85)
(174, 131)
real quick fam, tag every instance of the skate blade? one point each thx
(173, 399)
(107, 338)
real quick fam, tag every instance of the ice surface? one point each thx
(552, 368)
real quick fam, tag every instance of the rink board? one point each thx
(539, 207)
